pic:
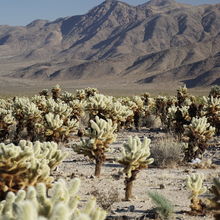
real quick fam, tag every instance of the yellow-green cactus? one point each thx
(107, 107)
(198, 133)
(100, 135)
(135, 156)
(57, 129)
(35, 204)
(27, 164)
(212, 111)
(195, 184)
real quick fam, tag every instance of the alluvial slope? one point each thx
(161, 38)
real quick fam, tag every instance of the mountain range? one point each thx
(160, 40)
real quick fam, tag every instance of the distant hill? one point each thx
(158, 40)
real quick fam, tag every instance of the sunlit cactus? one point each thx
(100, 135)
(57, 129)
(27, 164)
(106, 107)
(195, 184)
(212, 112)
(198, 132)
(27, 116)
(35, 204)
(135, 156)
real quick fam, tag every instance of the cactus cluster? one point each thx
(27, 164)
(35, 204)
(199, 131)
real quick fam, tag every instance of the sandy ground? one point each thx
(173, 180)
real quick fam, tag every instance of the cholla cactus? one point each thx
(107, 108)
(101, 134)
(44, 93)
(27, 116)
(82, 94)
(57, 129)
(177, 117)
(35, 204)
(195, 184)
(56, 90)
(7, 121)
(215, 92)
(198, 133)
(27, 164)
(214, 202)
(212, 111)
(183, 97)
(135, 156)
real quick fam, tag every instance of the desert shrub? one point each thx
(167, 152)
(106, 199)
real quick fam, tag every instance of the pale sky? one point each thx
(22, 12)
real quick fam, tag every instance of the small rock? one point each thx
(162, 186)
(131, 208)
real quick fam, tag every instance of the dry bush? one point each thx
(167, 152)
(106, 199)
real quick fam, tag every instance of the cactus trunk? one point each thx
(98, 167)
(129, 185)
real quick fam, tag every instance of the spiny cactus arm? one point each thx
(195, 184)
(94, 212)
(135, 155)
(214, 202)
(38, 205)
(86, 147)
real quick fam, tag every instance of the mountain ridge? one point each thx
(143, 43)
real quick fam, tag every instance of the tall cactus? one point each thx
(198, 133)
(135, 156)
(195, 184)
(100, 134)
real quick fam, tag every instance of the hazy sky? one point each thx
(22, 12)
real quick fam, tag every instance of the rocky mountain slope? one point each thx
(161, 39)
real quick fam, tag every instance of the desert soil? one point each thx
(170, 182)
